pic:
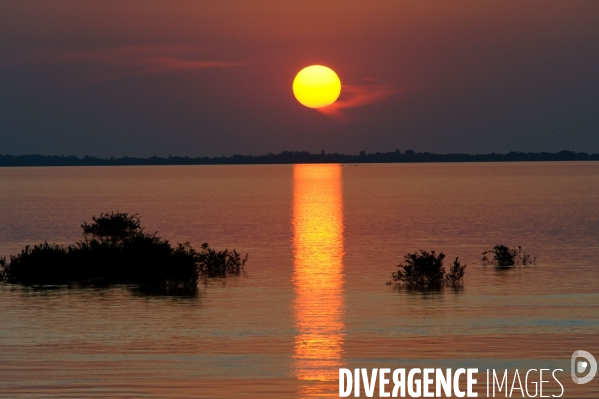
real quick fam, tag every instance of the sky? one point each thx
(212, 78)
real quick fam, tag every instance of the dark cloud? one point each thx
(354, 96)
(120, 62)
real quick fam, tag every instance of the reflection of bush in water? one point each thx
(425, 270)
(116, 250)
(503, 256)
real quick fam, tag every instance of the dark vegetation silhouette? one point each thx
(114, 224)
(503, 257)
(425, 270)
(293, 157)
(116, 250)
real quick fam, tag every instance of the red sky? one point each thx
(208, 78)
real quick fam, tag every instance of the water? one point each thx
(323, 240)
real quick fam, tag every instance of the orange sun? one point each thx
(316, 86)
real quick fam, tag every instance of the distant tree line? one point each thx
(293, 157)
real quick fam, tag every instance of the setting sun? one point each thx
(316, 86)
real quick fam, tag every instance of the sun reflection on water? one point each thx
(318, 272)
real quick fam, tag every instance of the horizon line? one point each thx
(294, 157)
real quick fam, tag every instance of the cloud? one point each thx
(354, 96)
(121, 62)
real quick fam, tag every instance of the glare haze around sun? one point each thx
(316, 86)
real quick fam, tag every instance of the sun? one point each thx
(316, 86)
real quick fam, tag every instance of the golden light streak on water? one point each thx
(318, 272)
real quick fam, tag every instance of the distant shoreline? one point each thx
(295, 157)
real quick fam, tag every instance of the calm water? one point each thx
(323, 240)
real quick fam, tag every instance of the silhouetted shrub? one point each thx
(42, 262)
(425, 269)
(220, 263)
(456, 273)
(119, 252)
(503, 256)
(114, 224)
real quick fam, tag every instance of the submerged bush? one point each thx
(115, 250)
(425, 269)
(219, 263)
(113, 225)
(42, 262)
(503, 256)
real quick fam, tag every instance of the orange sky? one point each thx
(214, 77)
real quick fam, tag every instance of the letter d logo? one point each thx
(582, 366)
